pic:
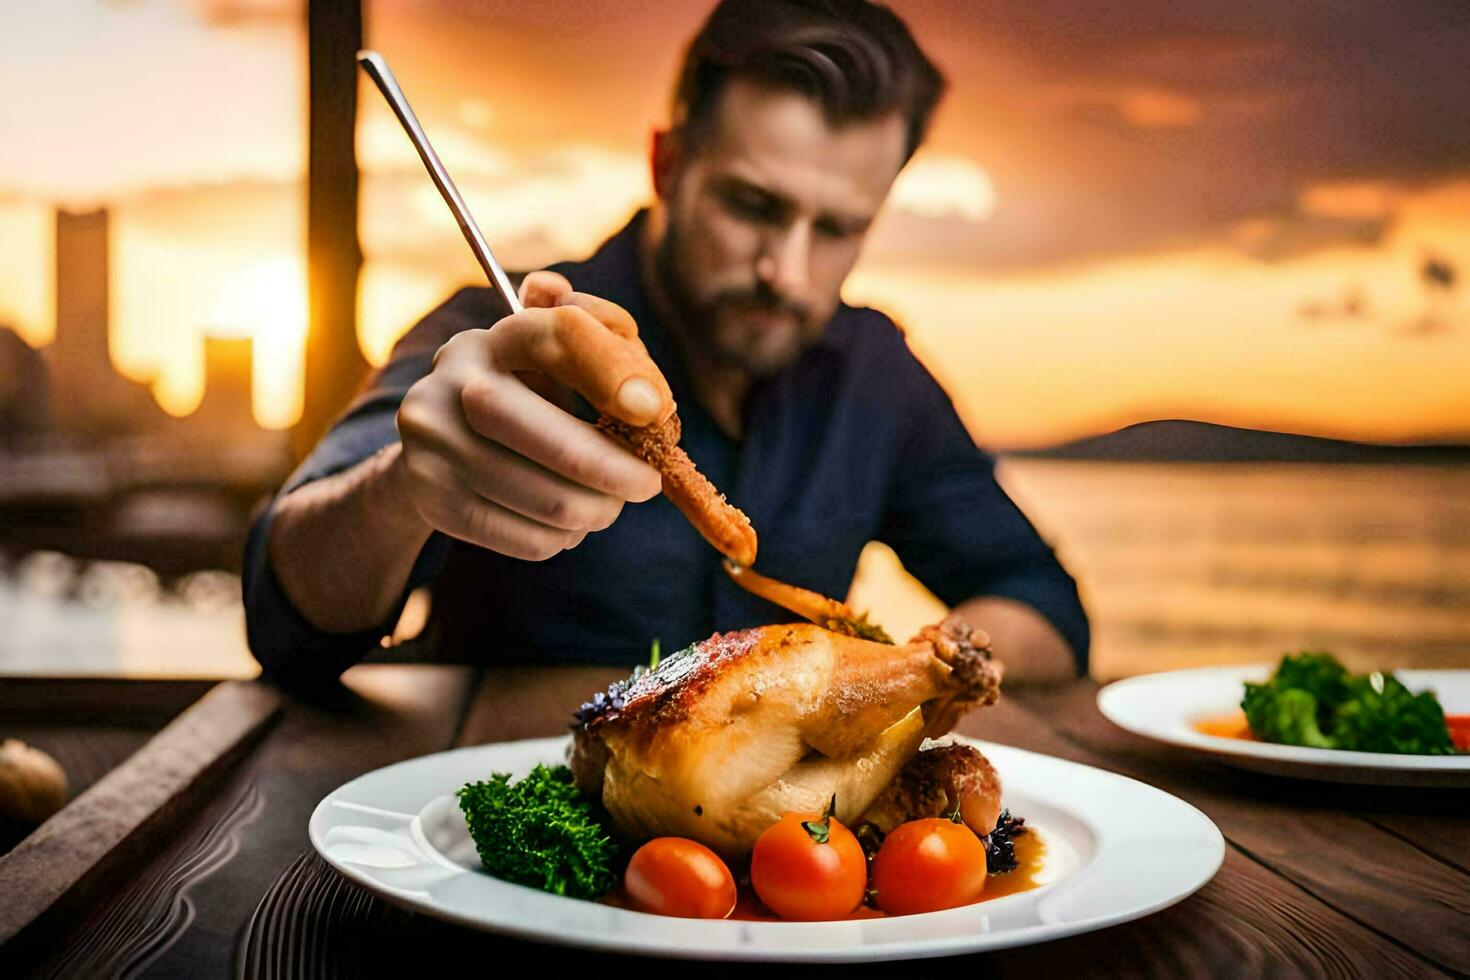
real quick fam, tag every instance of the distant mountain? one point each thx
(1178, 441)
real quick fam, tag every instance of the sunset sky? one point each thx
(1216, 211)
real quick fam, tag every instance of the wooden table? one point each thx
(1317, 879)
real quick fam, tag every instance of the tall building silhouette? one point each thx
(87, 393)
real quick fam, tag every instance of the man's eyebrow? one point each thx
(847, 220)
(732, 182)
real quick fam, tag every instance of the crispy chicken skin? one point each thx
(723, 738)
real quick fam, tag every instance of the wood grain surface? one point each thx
(74, 854)
(1426, 828)
(77, 845)
(149, 913)
(193, 921)
(96, 700)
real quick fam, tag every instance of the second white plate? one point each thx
(1166, 706)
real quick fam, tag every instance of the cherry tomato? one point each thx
(926, 865)
(808, 866)
(1459, 726)
(678, 876)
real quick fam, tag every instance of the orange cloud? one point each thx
(1041, 357)
(1154, 108)
(1352, 199)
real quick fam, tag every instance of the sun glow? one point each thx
(27, 270)
(173, 284)
(267, 301)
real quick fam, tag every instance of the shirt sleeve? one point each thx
(289, 648)
(954, 527)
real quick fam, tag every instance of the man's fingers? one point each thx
(499, 465)
(505, 411)
(491, 526)
(620, 380)
(544, 289)
(461, 513)
(608, 313)
(514, 482)
(568, 343)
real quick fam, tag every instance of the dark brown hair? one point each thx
(856, 59)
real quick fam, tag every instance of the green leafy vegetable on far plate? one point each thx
(539, 831)
(1312, 700)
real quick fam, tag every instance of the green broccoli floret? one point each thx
(1319, 674)
(1382, 715)
(1284, 714)
(1312, 700)
(540, 832)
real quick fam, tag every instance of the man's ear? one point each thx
(664, 160)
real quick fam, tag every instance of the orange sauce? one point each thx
(1030, 857)
(1232, 725)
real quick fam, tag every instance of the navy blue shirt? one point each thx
(855, 442)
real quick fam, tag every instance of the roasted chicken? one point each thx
(721, 739)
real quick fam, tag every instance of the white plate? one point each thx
(1166, 706)
(1117, 849)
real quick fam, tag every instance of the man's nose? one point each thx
(785, 260)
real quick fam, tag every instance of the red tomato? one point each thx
(1459, 726)
(926, 865)
(808, 866)
(678, 876)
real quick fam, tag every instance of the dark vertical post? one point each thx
(334, 363)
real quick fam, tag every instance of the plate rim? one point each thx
(901, 949)
(1110, 696)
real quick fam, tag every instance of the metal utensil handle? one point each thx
(377, 69)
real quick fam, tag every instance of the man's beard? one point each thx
(712, 325)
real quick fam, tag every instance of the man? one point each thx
(465, 463)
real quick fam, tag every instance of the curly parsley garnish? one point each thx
(540, 832)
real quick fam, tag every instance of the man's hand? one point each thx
(488, 455)
(485, 455)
